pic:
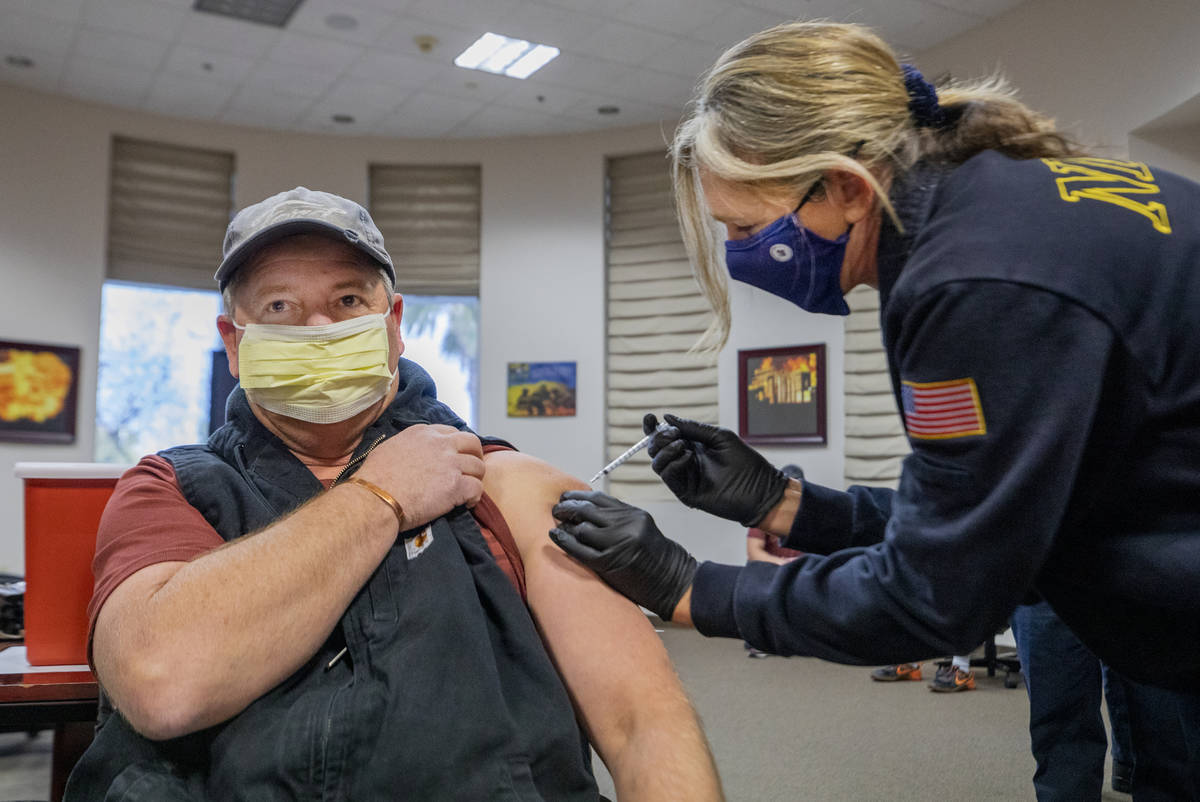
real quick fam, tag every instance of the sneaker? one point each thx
(949, 679)
(897, 672)
(752, 652)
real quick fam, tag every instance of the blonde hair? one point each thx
(783, 107)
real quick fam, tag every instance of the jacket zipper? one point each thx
(354, 462)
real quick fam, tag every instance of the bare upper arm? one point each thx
(613, 663)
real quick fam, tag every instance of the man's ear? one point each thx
(852, 193)
(230, 339)
(397, 313)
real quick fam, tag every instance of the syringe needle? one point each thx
(635, 448)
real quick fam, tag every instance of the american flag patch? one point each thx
(935, 410)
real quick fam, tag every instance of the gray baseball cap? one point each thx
(299, 211)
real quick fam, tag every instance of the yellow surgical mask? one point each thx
(317, 374)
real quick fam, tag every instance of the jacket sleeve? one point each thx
(830, 520)
(975, 515)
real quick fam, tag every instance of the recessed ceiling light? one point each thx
(341, 22)
(608, 110)
(343, 119)
(23, 62)
(502, 55)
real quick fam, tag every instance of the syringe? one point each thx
(635, 448)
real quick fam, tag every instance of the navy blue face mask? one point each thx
(789, 260)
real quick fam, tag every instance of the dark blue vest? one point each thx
(444, 691)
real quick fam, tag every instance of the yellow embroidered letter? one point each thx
(1110, 181)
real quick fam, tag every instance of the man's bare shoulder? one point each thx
(512, 473)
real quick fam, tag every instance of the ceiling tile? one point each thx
(736, 24)
(105, 82)
(379, 65)
(121, 48)
(673, 16)
(43, 75)
(656, 87)
(425, 114)
(470, 84)
(259, 117)
(184, 96)
(134, 17)
(631, 112)
(549, 25)
(372, 20)
(917, 24)
(358, 91)
(233, 36)
(61, 10)
(583, 72)
(274, 104)
(489, 15)
(688, 58)
(611, 8)
(319, 116)
(399, 39)
(544, 98)
(498, 120)
(983, 8)
(291, 79)
(313, 52)
(198, 62)
(627, 44)
(35, 33)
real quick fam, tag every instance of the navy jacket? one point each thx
(443, 691)
(1042, 326)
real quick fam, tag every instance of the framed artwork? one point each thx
(541, 389)
(39, 389)
(781, 395)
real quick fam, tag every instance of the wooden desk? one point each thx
(65, 700)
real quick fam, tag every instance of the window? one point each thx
(168, 209)
(156, 347)
(655, 314)
(430, 216)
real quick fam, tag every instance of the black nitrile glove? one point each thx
(710, 468)
(622, 544)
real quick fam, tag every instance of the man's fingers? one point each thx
(467, 443)
(649, 423)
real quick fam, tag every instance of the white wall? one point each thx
(1101, 67)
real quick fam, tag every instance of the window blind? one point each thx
(655, 313)
(876, 444)
(429, 217)
(167, 213)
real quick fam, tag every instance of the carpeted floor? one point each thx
(788, 729)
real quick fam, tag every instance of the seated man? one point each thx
(334, 599)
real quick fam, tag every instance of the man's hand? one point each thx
(710, 468)
(622, 544)
(429, 468)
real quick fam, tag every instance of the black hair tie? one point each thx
(923, 100)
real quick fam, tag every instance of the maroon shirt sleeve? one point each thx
(147, 521)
